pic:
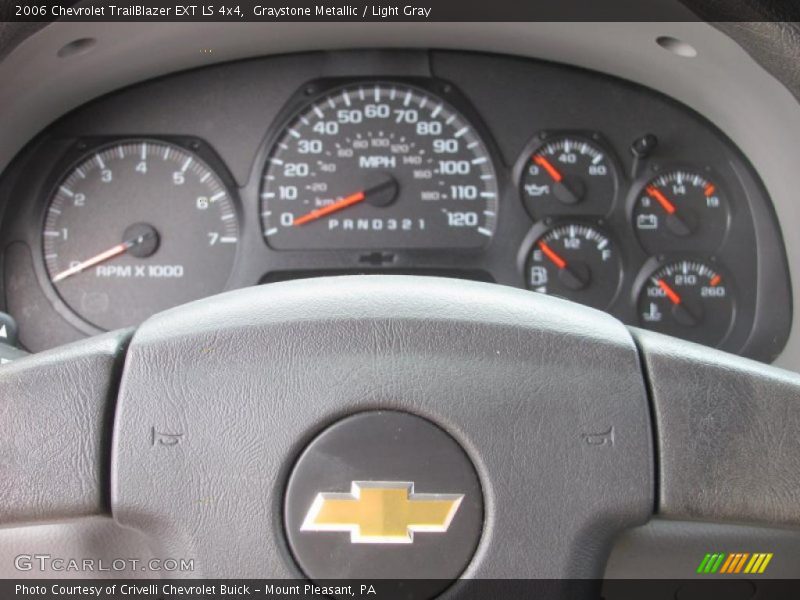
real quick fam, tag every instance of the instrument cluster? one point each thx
(409, 174)
(678, 218)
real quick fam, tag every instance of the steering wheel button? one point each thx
(384, 495)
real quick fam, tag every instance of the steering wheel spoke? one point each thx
(57, 409)
(727, 434)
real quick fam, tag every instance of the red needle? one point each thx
(547, 166)
(654, 192)
(671, 294)
(318, 213)
(551, 254)
(97, 259)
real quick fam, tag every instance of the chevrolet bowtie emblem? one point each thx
(381, 512)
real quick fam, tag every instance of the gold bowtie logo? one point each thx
(382, 512)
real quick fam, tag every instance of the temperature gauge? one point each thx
(568, 175)
(687, 299)
(575, 261)
(680, 211)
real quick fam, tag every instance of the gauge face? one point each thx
(681, 211)
(687, 299)
(135, 228)
(568, 175)
(577, 262)
(379, 166)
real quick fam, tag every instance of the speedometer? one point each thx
(378, 165)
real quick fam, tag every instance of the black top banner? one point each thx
(397, 11)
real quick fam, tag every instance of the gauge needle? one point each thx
(659, 196)
(671, 294)
(112, 252)
(675, 223)
(548, 166)
(561, 190)
(552, 255)
(569, 277)
(384, 194)
(318, 213)
(680, 311)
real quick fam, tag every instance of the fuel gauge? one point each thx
(575, 261)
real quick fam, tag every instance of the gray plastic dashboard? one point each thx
(233, 111)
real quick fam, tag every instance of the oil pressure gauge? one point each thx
(688, 299)
(575, 261)
(568, 175)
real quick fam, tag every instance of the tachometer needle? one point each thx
(112, 252)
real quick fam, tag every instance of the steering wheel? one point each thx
(196, 428)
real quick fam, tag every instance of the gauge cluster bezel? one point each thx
(512, 105)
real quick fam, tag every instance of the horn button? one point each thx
(383, 495)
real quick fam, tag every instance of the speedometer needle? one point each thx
(382, 194)
(318, 213)
(112, 252)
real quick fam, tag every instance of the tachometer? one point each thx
(379, 165)
(137, 227)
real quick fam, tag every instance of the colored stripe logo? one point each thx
(734, 562)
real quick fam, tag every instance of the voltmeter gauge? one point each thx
(683, 211)
(575, 261)
(568, 175)
(688, 299)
